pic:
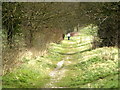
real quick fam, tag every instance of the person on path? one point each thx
(68, 35)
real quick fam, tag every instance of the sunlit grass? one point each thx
(85, 67)
(33, 73)
(90, 65)
(25, 77)
(107, 82)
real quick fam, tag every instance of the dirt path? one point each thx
(58, 73)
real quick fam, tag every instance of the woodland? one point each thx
(33, 44)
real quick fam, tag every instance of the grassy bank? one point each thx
(84, 67)
(90, 68)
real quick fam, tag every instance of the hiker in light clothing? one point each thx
(68, 35)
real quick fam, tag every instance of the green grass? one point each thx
(96, 68)
(107, 82)
(26, 76)
(33, 73)
(89, 68)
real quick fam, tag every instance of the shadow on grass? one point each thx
(75, 52)
(75, 46)
(101, 78)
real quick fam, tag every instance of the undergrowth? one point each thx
(89, 68)
(26, 76)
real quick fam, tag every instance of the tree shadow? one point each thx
(76, 46)
(75, 52)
